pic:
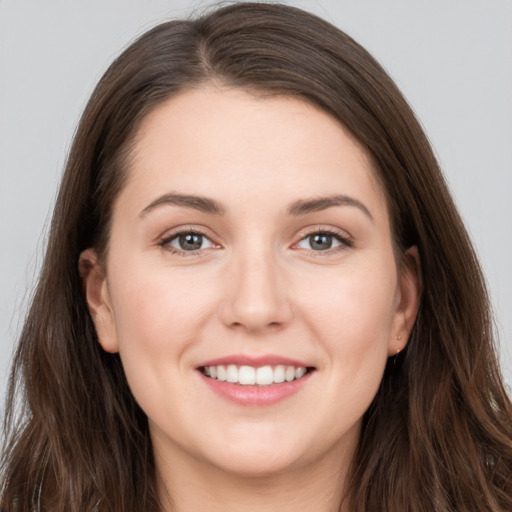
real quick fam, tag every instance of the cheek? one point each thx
(352, 315)
(156, 309)
(157, 318)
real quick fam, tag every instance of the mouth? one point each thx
(246, 375)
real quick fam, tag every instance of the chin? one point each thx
(262, 454)
(249, 465)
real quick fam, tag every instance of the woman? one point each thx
(257, 293)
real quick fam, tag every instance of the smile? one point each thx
(254, 376)
(255, 381)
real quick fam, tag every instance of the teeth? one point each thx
(289, 373)
(221, 373)
(279, 373)
(264, 376)
(300, 372)
(232, 373)
(249, 376)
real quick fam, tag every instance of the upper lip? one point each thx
(256, 362)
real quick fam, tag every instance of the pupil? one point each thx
(191, 241)
(320, 242)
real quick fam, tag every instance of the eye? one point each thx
(188, 241)
(323, 241)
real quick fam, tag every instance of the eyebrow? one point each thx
(304, 206)
(211, 206)
(200, 203)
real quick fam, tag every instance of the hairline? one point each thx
(125, 157)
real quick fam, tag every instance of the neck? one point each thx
(194, 485)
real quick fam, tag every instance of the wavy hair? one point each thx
(438, 435)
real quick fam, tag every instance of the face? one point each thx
(250, 284)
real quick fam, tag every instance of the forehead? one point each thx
(240, 145)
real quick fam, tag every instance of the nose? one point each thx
(257, 297)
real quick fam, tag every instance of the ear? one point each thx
(408, 301)
(98, 299)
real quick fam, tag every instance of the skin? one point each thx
(256, 287)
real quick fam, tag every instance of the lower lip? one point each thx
(255, 395)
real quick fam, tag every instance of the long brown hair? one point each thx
(437, 437)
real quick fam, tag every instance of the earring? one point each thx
(398, 350)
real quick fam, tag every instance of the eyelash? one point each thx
(164, 243)
(345, 241)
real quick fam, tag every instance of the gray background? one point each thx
(451, 58)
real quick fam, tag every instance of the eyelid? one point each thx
(164, 240)
(345, 239)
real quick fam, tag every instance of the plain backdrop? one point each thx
(451, 58)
